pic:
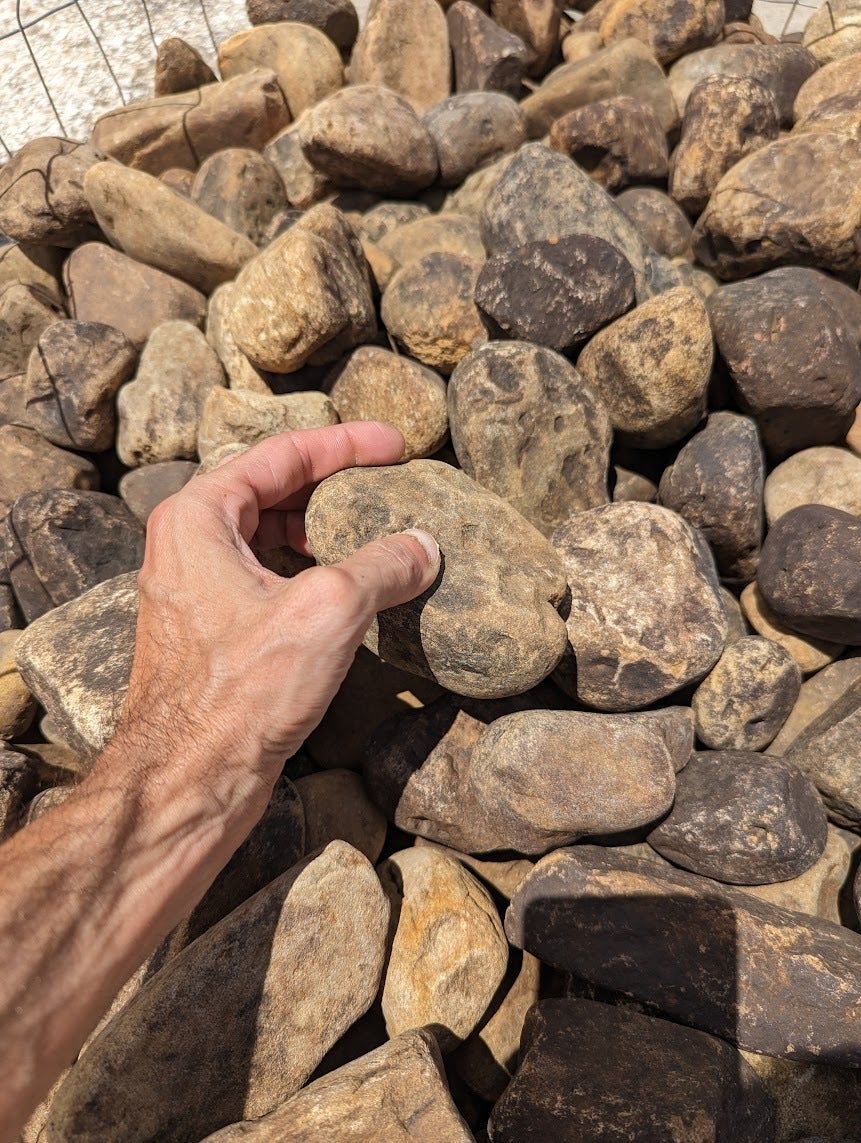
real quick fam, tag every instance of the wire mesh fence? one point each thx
(63, 63)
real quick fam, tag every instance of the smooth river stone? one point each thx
(525, 425)
(489, 625)
(827, 751)
(256, 976)
(699, 952)
(824, 475)
(29, 463)
(810, 654)
(646, 616)
(404, 46)
(743, 818)
(471, 130)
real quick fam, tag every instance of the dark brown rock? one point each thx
(537, 23)
(337, 19)
(748, 695)
(793, 364)
(60, 543)
(18, 784)
(179, 67)
(25, 312)
(716, 483)
(660, 221)
(525, 425)
(646, 616)
(618, 141)
(489, 626)
(242, 189)
(742, 818)
(818, 1099)
(42, 196)
(590, 1071)
(143, 488)
(73, 376)
(555, 292)
(699, 958)
(473, 129)
(10, 616)
(810, 572)
(486, 56)
(29, 463)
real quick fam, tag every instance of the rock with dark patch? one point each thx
(256, 973)
(716, 484)
(793, 364)
(747, 697)
(591, 1071)
(618, 141)
(669, 28)
(646, 616)
(386, 217)
(743, 818)
(652, 368)
(404, 46)
(836, 79)
(473, 129)
(179, 67)
(660, 221)
(699, 957)
(726, 118)
(833, 34)
(817, 891)
(489, 625)
(810, 654)
(556, 292)
(29, 463)
(823, 475)
(60, 543)
(816, 696)
(811, 1099)
(446, 233)
(808, 188)
(105, 286)
(42, 196)
(32, 264)
(143, 489)
(242, 189)
(17, 710)
(337, 19)
(73, 376)
(810, 572)
(486, 56)
(827, 751)
(526, 426)
(25, 313)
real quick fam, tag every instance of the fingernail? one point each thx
(428, 543)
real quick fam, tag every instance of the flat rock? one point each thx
(29, 463)
(619, 141)
(793, 364)
(42, 197)
(486, 56)
(143, 489)
(555, 292)
(652, 368)
(25, 313)
(589, 1071)
(646, 617)
(489, 625)
(826, 750)
(258, 969)
(159, 411)
(815, 697)
(716, 484)
(182, 130)
(236, 416)
(726, 118)
(61, 542)
(107, 287)
(815, 892)
(699, 952)
(536, 23)
(337, 807)
(447, 940)
(377, 385)
(397, 1092)
(17, 710)
(824, 475)
(404, 46)
(743, 818)
(748, 695)
(663, 225)
(73, 376)
(810, 654)
(472, 129)
(242, 189)
(179, 67)
(526, 426)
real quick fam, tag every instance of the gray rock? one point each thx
(472, 129)
(144, 488)
(385, 217)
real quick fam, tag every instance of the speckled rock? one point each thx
(61, 542)
(646, 617)
(830, 476)
(816, 696)
(429, 308)
(73, 376)
(179, 67)
(555, 292)
(826, 750)
(652, 367)
(726, 118)
(500, 875)
(699, 952)
(810, 1098)
(536, 23)
(841, 77)
(25, 313)
(241, 374)
(589, 1071)
(28, 463)
(13, 399)
(306, 297)
(337, 19)
(306, 62)
(17, 710)
(486, 56)
(489, 626)
(377, 385)
(144, 488)
(472, 129)
(404, 46)
(793, 364)
(242, 189)
(105, 286)
(747, 697)
(816, 891)
(810, 654)
(738, 628)
(670, 29)
(833, 33)
(397, 1092)
(41, 193)
(337, 807)
(619, 141)
(446, 233)
(276, 1011)
(159, 411)
(526, 426)
(660, 221)
(716, 484)
(477, 187)
(237, 416)
(448, 936)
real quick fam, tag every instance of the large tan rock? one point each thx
(242, 189)
(404, 46)
(834, 31)
(306, 62)
(810, 654)
(670, 29)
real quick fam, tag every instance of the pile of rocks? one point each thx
(570, 856)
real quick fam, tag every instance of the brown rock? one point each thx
(337, 19)
(241, 374)
(816, 891)
(816, 696)
(337, 807)
(386, 217)
(42, 196)
(31, 264)
(618, 141)
(306, 62)
(486, 56)
(236, 416)
(29, 463)
(810, 654)
(826, 751)
(445, 233)
(662, 224)
(144, 488)
(810, 1098)
(537, 23)
(404, 46)
(25, 312)
(830, 476)
(179, 67)
(17, 710)
(304, 184)
(242, 189)
(670, 29)
(472, 129)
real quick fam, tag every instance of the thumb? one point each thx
(392, 570)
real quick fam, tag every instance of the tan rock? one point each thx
(32, 265)
(578, 45)
(823, 475)
(816, 891)
(304, 184)
(306, 62)
(17, 704)
(241, 374)
(820, 692)
(337, 807)
(445, 233)
(238, 416)
(841, 77)
(41, 193)
(404, 46)
(810, 654)
(242, 189)
(670, 29)
(28, 463)
(834, 31)
(25, 312)
(178, 67)
(502, 876)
